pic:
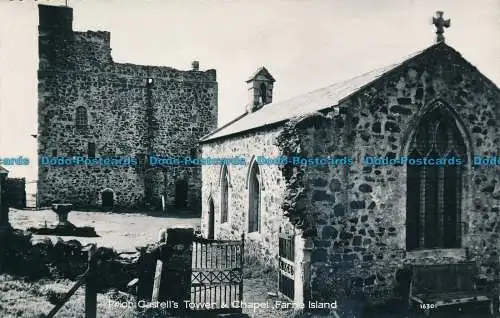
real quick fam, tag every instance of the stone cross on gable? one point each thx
(440, 24)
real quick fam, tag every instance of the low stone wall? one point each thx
(33, 258)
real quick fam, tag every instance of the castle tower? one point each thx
(55, 33)
(91, 107)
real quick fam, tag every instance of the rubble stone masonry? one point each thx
(132, 110)
(359, 248)
(355, 214)
(263, 245)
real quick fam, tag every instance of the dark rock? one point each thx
(319, 182)
(339, 210)
(404, 100)
(476, 129)
(319, 255)
(365, 188)
(335, 185)
(357, 240)
(401, 110)
(488, 189)
(356, 205)
(345, 235)
(370, 280)
(320, 195)
(329, 232)
(392, 127)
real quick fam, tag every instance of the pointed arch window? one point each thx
(224, 205)
(434, 192)
(81, 117)
(254, 190)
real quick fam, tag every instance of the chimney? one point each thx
(260, 89)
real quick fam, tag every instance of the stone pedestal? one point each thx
(62, 211)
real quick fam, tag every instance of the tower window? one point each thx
(91, 150)
(81, 118)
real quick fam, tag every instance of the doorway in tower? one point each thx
(211, 220)
(107, 199)
(181, 192)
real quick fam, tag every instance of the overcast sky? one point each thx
(305, 45)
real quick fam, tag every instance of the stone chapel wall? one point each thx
(263, 246)
(359, 249)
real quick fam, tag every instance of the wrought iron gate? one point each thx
(286, 265)
(217, 275)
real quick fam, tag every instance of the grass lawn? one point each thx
(30, 299)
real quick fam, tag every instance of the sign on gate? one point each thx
(287, 265)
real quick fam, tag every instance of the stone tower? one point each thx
(91, 107)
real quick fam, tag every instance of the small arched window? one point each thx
(254, 191)
(81, 117)
(224, 206)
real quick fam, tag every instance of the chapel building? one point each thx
(346, 230)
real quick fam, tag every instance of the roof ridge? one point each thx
(318, 99)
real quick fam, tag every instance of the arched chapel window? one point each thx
(434, 192)
(224, 206)
(81, 118)
(254, 190)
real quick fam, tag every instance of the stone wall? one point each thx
(16, 192)
(45, 258)
(263, 245)
(126, 116)
(359, 248)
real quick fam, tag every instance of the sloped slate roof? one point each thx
(262, 70)
(3, 170)
(322, 98)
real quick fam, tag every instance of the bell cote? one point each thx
(260, 89)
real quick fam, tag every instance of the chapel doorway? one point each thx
(181, 190)
(211, 219)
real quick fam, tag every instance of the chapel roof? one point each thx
(320, 99)
(261, 71)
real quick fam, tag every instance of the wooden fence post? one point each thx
(90, 286)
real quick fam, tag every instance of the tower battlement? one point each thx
(55, 17)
